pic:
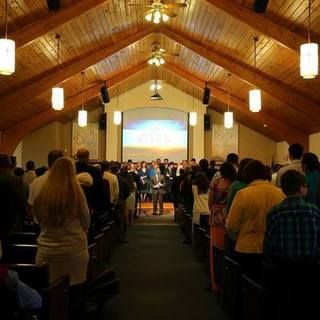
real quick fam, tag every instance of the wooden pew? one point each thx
(19, 253)
(21, 237)
(200, 242)
(219, 271)
(231, 293)
(252, 299)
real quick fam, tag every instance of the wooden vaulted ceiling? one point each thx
(213, 37)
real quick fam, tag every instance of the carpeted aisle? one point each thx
(160, 279)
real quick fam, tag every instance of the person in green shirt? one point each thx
(237, 184)
(310, 167)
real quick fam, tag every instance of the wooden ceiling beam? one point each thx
(10, 138)
(274, 87)
(31, 89)
(260, 23)
(282, 130)
(51, 21)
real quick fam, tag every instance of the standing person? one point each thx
(291, 245)
(169, 175)
(38, 183)
(7, 202)
(17, 190)
(310, 167)
(113, 182)
(218, 194)
(30, 173)
(200, 190)
(295, 153)
(144, 181)
(131, 200)
(157, 185)
(121, 209)
(246, 221)
(62, 212)
(212, 169)
(96, 193)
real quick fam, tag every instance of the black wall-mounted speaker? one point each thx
(103, 121)
(54, 5)
(104, 94)
(207, 122)
(260, 6)
(206, 95)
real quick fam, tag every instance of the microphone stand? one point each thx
(140, 210)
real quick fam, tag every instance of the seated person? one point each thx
(27, 298)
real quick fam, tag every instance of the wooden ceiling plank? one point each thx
(11, 137)
(261, 24)
(268, 84)
(50, 79)
(283, 130)
(53, 20)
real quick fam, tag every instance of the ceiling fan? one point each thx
(158, 54)
(160, 11)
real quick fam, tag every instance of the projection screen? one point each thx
(151, 133)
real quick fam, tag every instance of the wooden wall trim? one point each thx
(31, 89)
(51, 21)
(12, 136)
(282, 130)
(260, 23)
(274, 87)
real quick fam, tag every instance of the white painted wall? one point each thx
(139, 97)
(314, 143)
(18, 154)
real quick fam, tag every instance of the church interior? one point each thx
(146, 94)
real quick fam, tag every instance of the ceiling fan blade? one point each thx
(171, 14)
(175, 5)
(171, 54)
(139, 5)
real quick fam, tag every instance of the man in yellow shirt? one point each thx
(246, 222)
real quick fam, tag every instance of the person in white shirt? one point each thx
(295, 154)
(38, 183)
(30, 173)
(200, 191)
(113, 182)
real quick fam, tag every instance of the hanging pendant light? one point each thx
(117, 115)
(7, 50)
(228, 115)
(57, 96)
(255, 94)
(82, 114)
(193, 117)
(309, 54)
(155, 86)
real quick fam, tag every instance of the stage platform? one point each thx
(146, 217)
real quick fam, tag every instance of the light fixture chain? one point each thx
(82, 94)
(6, 20)
(309, 21)
(228, 86)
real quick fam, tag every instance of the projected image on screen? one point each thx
(154, 133)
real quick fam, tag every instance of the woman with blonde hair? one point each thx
(62, 212)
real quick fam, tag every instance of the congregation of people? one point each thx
(257, 214)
